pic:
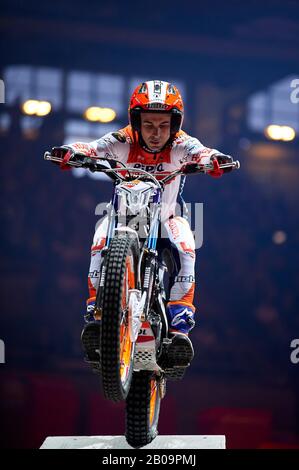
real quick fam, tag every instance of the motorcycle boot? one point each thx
(91, 337)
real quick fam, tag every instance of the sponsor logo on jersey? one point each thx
(189, 278)
(95, 273)
(119, 136)
(174, 229)
(84, 148)
(150, 168)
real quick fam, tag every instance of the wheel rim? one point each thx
(153, 400)
(126, 344)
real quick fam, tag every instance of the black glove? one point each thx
(66, 153)
(190, 167)
(222, 159)
(59, 152)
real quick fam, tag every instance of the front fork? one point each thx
(146, 303)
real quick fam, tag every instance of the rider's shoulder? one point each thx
(114, 138)
(185, 146)
(185, 141)
(182, 138)
(124, 135)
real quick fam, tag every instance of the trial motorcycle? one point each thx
(131, 297)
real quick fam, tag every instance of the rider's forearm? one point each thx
(204, 155)
(87, 149)
(107, 147)
(194, 151)
(97, 148)
(104, 148)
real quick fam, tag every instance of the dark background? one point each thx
(242, 382)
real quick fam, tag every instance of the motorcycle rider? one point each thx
(154, 141)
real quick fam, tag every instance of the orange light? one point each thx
(30, 107)
(44, 108)
(97, 114)
(288, 133)
(279, 237)
(276, 132)
(36, 107)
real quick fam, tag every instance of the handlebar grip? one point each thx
(233, 165)
(52, 158)
(47, 156)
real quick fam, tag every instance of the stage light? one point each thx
(107, 115)
(276, 132)
(44, 108)
(279, 237)
(92, 113)
(97, 114)
(273, 132)
(288, 133)
(30, 107)
(37, 108)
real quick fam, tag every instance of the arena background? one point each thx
(235, 63)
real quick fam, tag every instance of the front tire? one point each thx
(142, 409)
(117, 349)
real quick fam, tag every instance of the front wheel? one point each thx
(117, 349)
(142, 409)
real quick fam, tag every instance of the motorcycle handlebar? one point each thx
(93, 164)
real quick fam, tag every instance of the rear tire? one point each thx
(117, 350)
(142, 409)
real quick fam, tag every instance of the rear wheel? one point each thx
(117, 349)
(142, 409)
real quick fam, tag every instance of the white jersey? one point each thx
(121, 146)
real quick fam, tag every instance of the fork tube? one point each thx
(149, 275)
(112, 217)
(154, 234)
